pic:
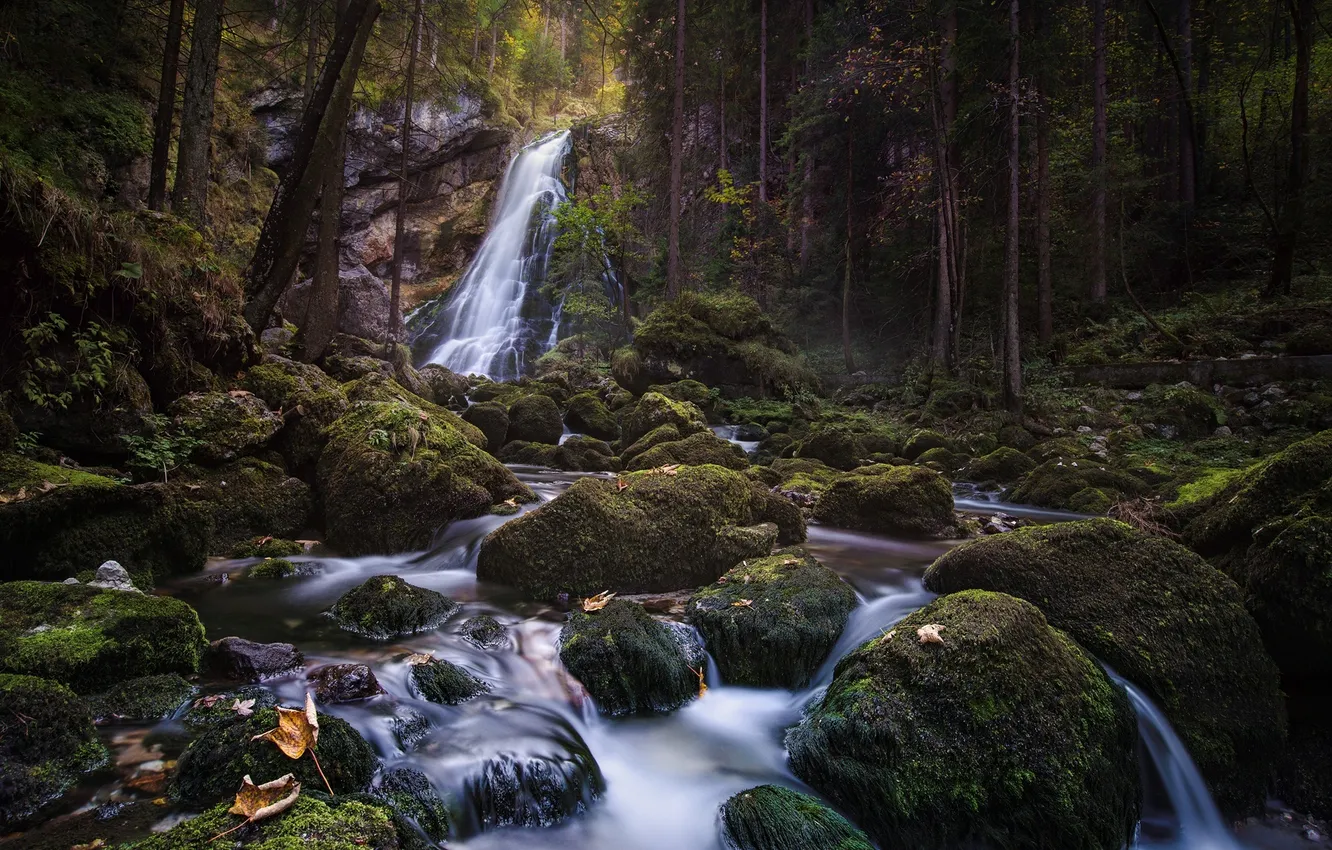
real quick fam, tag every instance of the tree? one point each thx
(1290, 217)
(674, 272)
(190, 198)
(1012, 349)
(166, 107)
(404, 186)
(763, 102)
(1100, 137)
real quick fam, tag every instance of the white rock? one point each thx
(112, 576)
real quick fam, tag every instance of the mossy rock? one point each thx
(905, 500)
(493, 420)
(87, 520)
(805, 475)
(1059, 449)
(227, 425)
(922, 441)
(309, 399)
(1304, 774)
(576, 454)
(657, 436)
(836, 447)
(629, 662)
(379, 388)
(771, 817)
(1005, 734)
(1188, 411)
(91, 639)
(1003, 465)
(795, 613)
(267, 547)
(485, 631)
(386, 607)
(587, 415)
(1161, 617)
(147, 699)
(655, 410)
(694, 392)
(9, 432)
(1016, 437)
(211, 768)
(656, 532)
(445, 683)
(393, 473)
(946, 459)
(535, 419)
(46, 741)
(310, 823)
(446, 387)
(272, 568)
(949, 398)
(534, 789)
(248, 498)
(1060, 484)
(408, 793)
(694, 450)
(214, 710)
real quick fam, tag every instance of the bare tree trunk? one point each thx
(404, 185)
(190, 197)
(721, 110)
(494, 40)
(1291, 216)
(1044, 273)
(944, 104)
(807, 194)
(1100, 136)
(166, 107)
(311, 50)
(847, 356)
(1012, 352)
(321, 311)
(317, 139)
(674, 272)
(763, 101)
(1188, 150)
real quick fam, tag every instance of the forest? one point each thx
(659, 424)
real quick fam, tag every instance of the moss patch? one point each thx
(309, 823)
(629, 662)
(694, 450)
(386, 607)
(445, 683)
(771, 817)
(143, 700)
(898, 500)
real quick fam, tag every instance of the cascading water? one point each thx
(495, 321)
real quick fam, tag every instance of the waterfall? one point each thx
(495, 322)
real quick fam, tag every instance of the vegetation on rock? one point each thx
(629, 662)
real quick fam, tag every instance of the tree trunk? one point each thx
(311, 51)
(944, 104)
(1044, 273)
(674, 272)
(807, 184)
(321, 311)
(317, 139)
(494, 40)
(763, 101)
(190, 197)
(166, 107)
(404, 185)
(1291, 216)
(1100, 136)
(848, 358)
(1012, 352)
(1188, 151)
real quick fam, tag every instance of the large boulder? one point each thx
(771, 622)
(242, 660)
(247, 499)
(386, 607)
(92, 426)
(309, 399)
(363, 303)
(493, 420)
(46, 741)
(1162, 618)
(377, 387)
(339, 824)
(1003, 465)
(629, 662)
(334, 683)
(1085, 486)
(535, 419)
(905, 500)
(393, 473)
(650, 531)
(839, 448)
(694, 450)
(409, 794)
(577, 454)
(998, 731)
(655, 410)
(771, 817)
(227, 425)
(146, 699)
(91, 639)
(587, 415)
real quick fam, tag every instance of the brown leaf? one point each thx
(930, 633)
(702, 685)
(621, 485)
(596, 603)
(297, 730)
(668, 469)
(420, 658)
(239, 393)
(513, 503)
(742, 603)
(257, 802)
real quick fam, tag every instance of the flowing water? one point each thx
(495, 321)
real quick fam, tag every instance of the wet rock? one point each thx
(247, 499)
(1161, 617)
(408, 792)
(587, 415)
(409, 727)
(535, 419)
(221, 709)
(91, 639)
(310, 822)
(273, 568)
(839, 448)
(112, 576)
(533, 788)
(576, 454)
(771, 817)
(227, 425)
(242, 660)
(485, 631)
(905, 500)
(655, 410)
(1001, 727)
(647, 532)
(694, 450)
(386, 607)
(771, 622)
(309, 399)
(493, 420)
(922, 441)
(446, 387)
(266, 547)
(1003, 465)
(751, 432)
(143, 700)
(446, 683)
(1085, 486)
(629, 662)
(334, 683)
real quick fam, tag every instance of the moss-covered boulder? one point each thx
(587, 415)
(446, 387)
(409, 794)
(655, 410)
(1086, 486)
(905, 500)
(386, 607)
(493, 420)
(535, 419)
(54, 532)
(309, 399)
(484, 631)
(393, 473)
(656, 437)
(839, 448)
(922, 441)
(1004, 734)
(771, 622)
(629, 662)
(446, 683)
(1304, 773)
(804, 476)
(651, 531)
(91, 639)
(274, 568)
(227, 425)
(771, 817)
(576, 454)
(1161, 617)
(309, 823)
(694, 450)
(1180, 410)
(211, 768)
(381, 389)
(1002, 465)
(247, 499)
(266, 547)
(146, 699)
(218, 709)
(9, 432)
(46, 740)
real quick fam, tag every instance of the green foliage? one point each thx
(596, 236)
(59, 366)
(163, 449)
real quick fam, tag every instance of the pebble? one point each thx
(112, 576)
(1223, 431)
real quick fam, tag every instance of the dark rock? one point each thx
(247, 499)
(363, 303)
(894, 500)
(485, 631)
(241, 660)
(218, 709)
(922, 441)
(1003, 465)
(445, 683)
(535, 419)
(334, 683)
(493, 420)
(533, 787)
(309, 399)
(227, 425)
(771, 817)
(144, 700)
(587, 415)
(386, 607)
(694, 450)
(836, 447)
(629, 662)
(1085, 486)
(409, 793)
(446, 387)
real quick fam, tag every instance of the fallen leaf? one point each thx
(262, 540)
(297, 730)
(258, 802)
(742, 603)
(596, 603)
(424, 417)
(668, 469)
(243, 707)
(892, 634)
(420, 658)
(702, 685)
(513, 503)
(930, 633)
(790, 562)
(208, 701)
(239, 393)
(621, 485)
(95, 844)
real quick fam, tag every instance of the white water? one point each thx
(483, 328)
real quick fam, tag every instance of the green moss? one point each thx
(1005, 733)
(386, 607)
(1058, 483)
(445, 683)
(309, 399)
(247, 498)
(1161, 617)
(803, 475)
(267, 547)
(227, 425)
(656, 437)
(922, 441)
(900, 500)
(309, 823)
(771, 817)
(945, 458)
(211, 768)
(838, 447)
(408, 793)
(91, 639)
(1287, 574)
(273, 568)
(1189, 411)
(20, 473)
(587, 415)
(655, 410)
(694, 450)
(485, 631)
(376, 387)
(660, 532)
(1002, 465)
(493, 420)
(535, 419)
(694, 392)
(46, 741)
(629, 662)
(215, 710)
(143, 700)
(796, 611)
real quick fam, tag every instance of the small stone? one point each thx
(1223, 431)
(1134, 396)
(1312, 834)
(70, 581)
(112, 576)
(246, 661)
(334, 683)
(1084, 429)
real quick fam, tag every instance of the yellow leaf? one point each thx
(702, 685)
(297, 730)
(742, 603)
(596, 603)
(930, 633)
(256, 802)
(420, 658)
(513, 503)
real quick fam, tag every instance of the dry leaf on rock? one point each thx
(596, 603)
(702, 685)
(929, 633)
(297, 730)
(742, 603)
(258, 802)
(244, 708)
(621, 485)
(420, 658)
